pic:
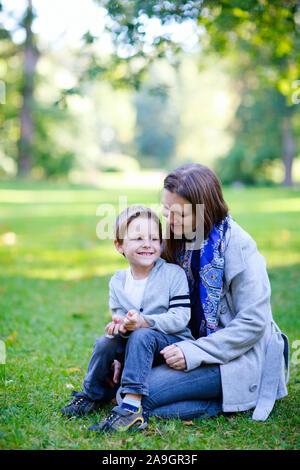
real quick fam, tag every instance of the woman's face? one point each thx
(179, 214)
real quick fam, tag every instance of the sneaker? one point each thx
(80, 406)
(121, 419)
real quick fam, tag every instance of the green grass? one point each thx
(53, 305)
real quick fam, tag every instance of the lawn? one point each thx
(53, 305)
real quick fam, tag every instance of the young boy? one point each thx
(150, 306)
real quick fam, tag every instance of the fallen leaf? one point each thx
(285, 234)
(73, 369)
(12, 337)
(188, 423)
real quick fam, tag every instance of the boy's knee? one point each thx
(142, 335)
(104, 343)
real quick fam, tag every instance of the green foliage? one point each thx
(257, 130)
(44, 153)
(156, 125)
(11, 76)
(260, 32)
(258, 40)
(51, 158)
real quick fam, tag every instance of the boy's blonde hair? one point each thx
(131, 213)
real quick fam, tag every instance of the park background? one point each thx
(100, 99)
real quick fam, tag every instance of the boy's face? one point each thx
(141, 244)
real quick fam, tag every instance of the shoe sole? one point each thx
(134, 427)
(137, 427)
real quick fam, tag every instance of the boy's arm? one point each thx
(115, 308)
(114, 304)
(179, 313)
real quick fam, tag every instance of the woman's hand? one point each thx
(174, 357)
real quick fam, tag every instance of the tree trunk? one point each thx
(289, 149)
(31, 57)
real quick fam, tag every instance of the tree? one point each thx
(10, 63)
(258, 37)
(156, 117)
(30, 58)
(258, 136)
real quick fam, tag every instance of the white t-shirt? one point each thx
(134, 288)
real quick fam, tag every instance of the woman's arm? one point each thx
(250, 294)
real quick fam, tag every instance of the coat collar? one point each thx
(234, 257)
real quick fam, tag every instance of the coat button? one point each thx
(141, 309)
(253, 387)
(223, 309)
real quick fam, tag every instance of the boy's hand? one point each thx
(134, 320)
(116, 326)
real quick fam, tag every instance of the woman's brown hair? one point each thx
(198, 184)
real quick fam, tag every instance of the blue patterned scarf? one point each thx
(204, 268)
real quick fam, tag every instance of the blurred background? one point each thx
(93, 89)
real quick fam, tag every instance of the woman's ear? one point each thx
(119, 247)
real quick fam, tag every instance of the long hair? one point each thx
(198, 184)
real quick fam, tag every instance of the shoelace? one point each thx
(77, 401)
(111, 419)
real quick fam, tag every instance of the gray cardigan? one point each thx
(166, 292)
(248, 345)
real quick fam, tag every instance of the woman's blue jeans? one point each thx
(167, 392)
(184, 395)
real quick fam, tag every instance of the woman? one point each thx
(236, 361)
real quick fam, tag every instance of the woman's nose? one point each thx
(170, 218)
(168, 215)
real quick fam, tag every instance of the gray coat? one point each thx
(248, 345)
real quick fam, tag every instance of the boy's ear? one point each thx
(118, 247)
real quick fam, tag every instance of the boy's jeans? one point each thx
(168, 393)
(141, 350)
